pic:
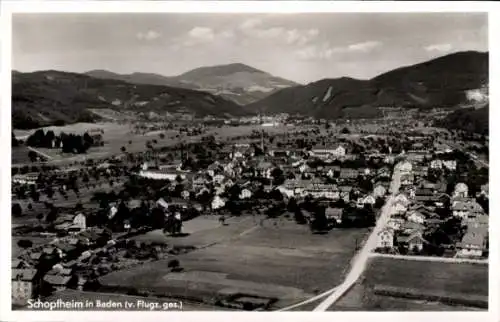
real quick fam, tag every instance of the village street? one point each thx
(362, 257)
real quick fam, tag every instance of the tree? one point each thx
(32, 155)
(123, 149)
(25, 243)
(345, 130)
(17, 211)
(174, 265)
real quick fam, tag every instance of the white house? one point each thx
(185, 194)
(405, 167)
(450, 164)
(385, 238)
(416, 217)
(245, 194)
(218, 203)
(379, 191)
(436, 164)
(399, 208)
(402, 198)
(396, 222)
(80, 221)
(461, 190)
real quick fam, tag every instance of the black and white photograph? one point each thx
(222, 161)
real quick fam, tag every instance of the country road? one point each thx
(362, 257)
(48, 157)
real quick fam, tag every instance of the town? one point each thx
(92, 226)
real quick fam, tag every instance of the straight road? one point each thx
(40, 152)
(362, 257)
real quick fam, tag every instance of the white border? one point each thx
(9, 7)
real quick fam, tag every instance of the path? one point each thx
(48, 157)
(362, 257)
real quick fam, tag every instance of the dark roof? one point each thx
(57, 279)
(25, 274)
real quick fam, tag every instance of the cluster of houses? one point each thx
(419, 207)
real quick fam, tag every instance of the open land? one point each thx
(462, 280)
(283, 261)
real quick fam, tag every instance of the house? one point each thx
(402, 199)
(218, 178)
(466, 209)
(484, 191)
(413, 241)
(80, 221)
(405, 167)
(415, 216)
(334, 214)
(198, 183)
(368, 200)
(57, 281)
(410, 227)
(450, 164)
(461, 191)
(345, 193)
(25, 285)
(424, 195)
(479, 222)
(396, 222)
(385, 238)
(473, 244)
(217, 203)
(379, 191)
(245, 194)
(347, 174)
(407, 179)
(436, 164)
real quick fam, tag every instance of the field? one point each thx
(283, 261)
(469, 281)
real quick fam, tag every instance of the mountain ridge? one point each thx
(441, 82)
(238, 82)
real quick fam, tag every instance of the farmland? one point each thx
(457, 281)
(277, 259)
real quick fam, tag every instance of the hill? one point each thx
(467, 119)
(441, 82)
(238, 82)
(54, 97)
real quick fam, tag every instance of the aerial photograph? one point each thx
(250, 162)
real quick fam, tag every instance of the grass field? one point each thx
(452, 279)
(285, 261)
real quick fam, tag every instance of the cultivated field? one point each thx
(283, 261)
(469, 281)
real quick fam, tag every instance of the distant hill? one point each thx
(467, 119)
(54, 97)
(441, 82)
(238, 82)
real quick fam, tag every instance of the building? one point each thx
(80, 221)
(473, 244)
(25, 285)
(218, 203)
(466, 209)
(461, 191)
(245, 194)
(412, 241)
(379, 191)
(334, 214)
(385, 238)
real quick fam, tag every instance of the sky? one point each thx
(300, 47)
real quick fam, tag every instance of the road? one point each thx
(48, 157)
(362, 257)
(432, 258)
